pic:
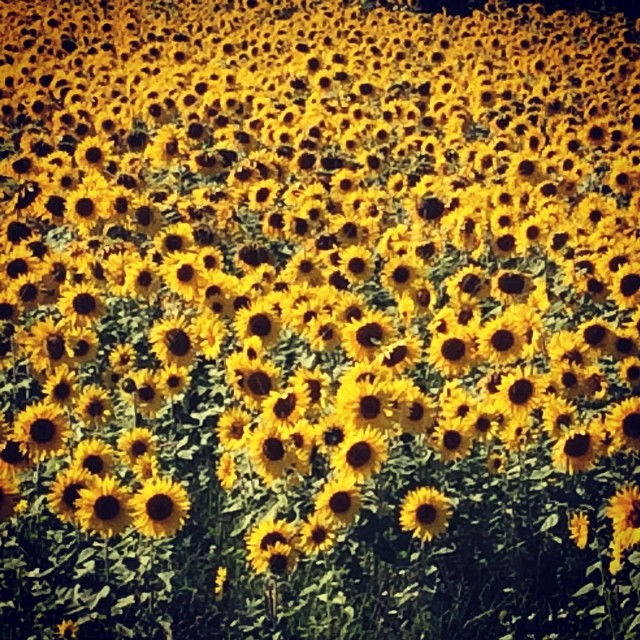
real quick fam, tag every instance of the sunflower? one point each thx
(148, 395)
(364, 338)
(82, 345)
(357, 263)
(575, 451)
(67, 630)
(316, 535)
(509, 287)
(519, 393)
(103, 507)
(558, 416)
(402, 354)
(251, 380)
(146, 467)
(60, 386)
(330, 433)
(284, 408)
(496, 463)
(360, 455)
(579, 529)
(159, 508)
(452, 439)
(226, 471)
(624, 511)
(134, 443)
(173, 380)
(629, 372)
(141, 278)
(452, 353)
(259, 320)
(81, 305)
(122, 358)
(338, 501)
(365, 404)
(317, 385)
(415, 410)
(42, 430)
(173, 341)
(93, 406)
(280, 558)
(269, 452)
(65, 491)
(46, 345)
(400, 273)
(93, 456)
(623, 422)
(626, 286)
(221, 582)
(210, 332)
(263, 537)
(184, 275)
(9, 495)
(233, 428)
(425, 511)
(500, 340)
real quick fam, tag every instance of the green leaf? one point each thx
(103, 593)
(584, 590)
(550, 522)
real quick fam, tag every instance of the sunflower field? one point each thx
(318, 320)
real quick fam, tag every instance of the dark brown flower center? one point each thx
(511, 283)
(356, 265)
(278, 564)
(359, 454)
(42, 430)
(453, 349)
(185, 273)
(631, 425)
(260, 325)
(369, 335)
(426, 514)
(502, 340)
(520, 391)
(273, 449)
(84, 304)
(259, 383)
(138, 448)
(397, 355)
(577, 445)
(159, 507)
(55, 347)
(284, 407)
(370, 407)
(106, 508)
(594, 335)
(340, 502)
(271, 538)
(630, 284)
(93, 464)
(452, 440)
(178, 342)
(71, 493)
(333, 436)
(319, 535)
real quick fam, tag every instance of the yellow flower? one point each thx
(42, 430)
(425, 511)
(103, 507)
(221, 582)
(579, 529)
(160, 507)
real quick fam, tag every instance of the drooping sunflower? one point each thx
(576, 450)
(415, 411)
(338, 501)
(173, 341)
(148, 395)
(401, 354)
(160, 507)
(579, 529)
(42, 430)
(146, 467)
(65, 491)
(425, 511)
(221, 582)
(103, 507)
(360, 455)
(210, 332)
(9, 495)
(496, 463)
(81, 305)
(82, 345)
(46, 344)
(94, 456)
(281, 558)
(226, 471)
(67, 630)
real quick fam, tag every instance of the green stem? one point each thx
(105, 551)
